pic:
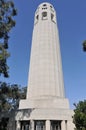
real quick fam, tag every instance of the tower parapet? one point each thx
(45, 11)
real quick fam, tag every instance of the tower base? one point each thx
(44, 114)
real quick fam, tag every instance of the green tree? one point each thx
(7, 12)
(79, 117)
(10, 96)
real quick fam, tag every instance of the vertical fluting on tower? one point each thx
(45, 72)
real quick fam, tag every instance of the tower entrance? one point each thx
(39, 125)
(55, 125)
(25, 125)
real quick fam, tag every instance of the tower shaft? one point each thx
(45, 73)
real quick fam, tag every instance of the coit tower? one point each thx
(46, 105)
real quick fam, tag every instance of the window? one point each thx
(39, 125)
(50, 6)
(44, 5)
(37, 17)
(44, 15)
(44, 8)
(52, 9)
(52, 16)
(56, 125)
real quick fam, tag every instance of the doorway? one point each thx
(55, 125)
(25, 125)
(39, 125)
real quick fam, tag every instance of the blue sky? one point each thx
(71, 19)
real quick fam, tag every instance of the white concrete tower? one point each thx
(45, 73)
(46, 107)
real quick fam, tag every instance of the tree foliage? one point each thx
(10, 96)
(3, 123)
(7, 12)
(79, 117)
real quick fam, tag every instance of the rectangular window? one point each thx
(53, 18)
(44, 15)
(37, 17)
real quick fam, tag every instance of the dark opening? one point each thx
(25, 125)
(55, 125)
(44, 5)
(37, 17)
(40, 125)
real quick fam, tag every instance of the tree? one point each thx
(84, 45)
(7, 12)
(79, 117)
(10, 96)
